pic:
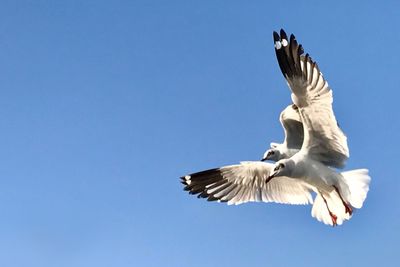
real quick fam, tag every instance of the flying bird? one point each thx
(314, 145)
(324, 145)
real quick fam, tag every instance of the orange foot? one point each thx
(334, 218)
(348, 209)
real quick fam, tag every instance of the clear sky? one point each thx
(105, 104)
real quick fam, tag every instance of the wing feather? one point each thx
(323, 139)
(245, 182)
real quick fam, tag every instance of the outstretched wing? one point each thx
(245, 182)
(323, 139)
(293, 127)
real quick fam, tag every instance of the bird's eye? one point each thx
(271, 152)
(280, 166)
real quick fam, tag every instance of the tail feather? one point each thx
(320, 212)
(358, 183)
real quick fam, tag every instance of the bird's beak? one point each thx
(272, 175)
(265, 157)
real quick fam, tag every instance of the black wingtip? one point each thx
(283, 34)
(212, 198)
(300, 50)
(288, 53)
(187, 188)
(208, 184)
(276, 36)
(203, 195)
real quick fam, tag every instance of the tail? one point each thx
(358, 183)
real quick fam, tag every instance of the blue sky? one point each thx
(104, 104)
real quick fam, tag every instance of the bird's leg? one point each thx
(333, 216)
(347, 207)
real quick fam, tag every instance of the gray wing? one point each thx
(323, 139)
(245, 182)
(293, 127)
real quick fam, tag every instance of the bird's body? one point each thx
(313, 172)
(322, 179)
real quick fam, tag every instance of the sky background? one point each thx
(105, 104)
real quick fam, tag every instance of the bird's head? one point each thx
(284, 167)
(272, 154)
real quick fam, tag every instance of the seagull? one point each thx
(294, 134)
(313, 146)
(324, 145)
